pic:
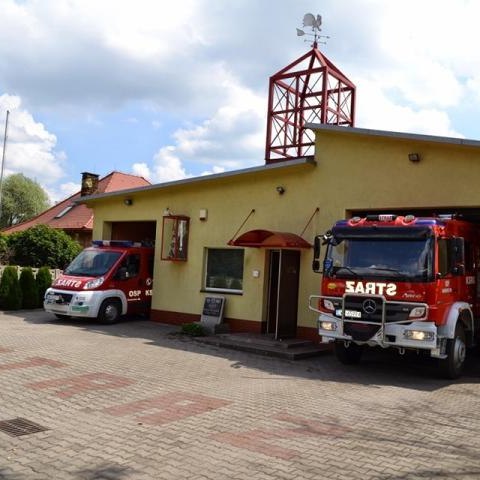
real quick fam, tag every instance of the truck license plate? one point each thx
(349, 313)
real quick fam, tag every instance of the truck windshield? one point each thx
(92, 263)
(410, 259)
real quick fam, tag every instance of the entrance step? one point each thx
(291, 349)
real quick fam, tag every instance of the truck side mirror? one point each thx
(316, 265)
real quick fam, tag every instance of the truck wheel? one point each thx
(350, 355)
(109, 311)
(452, 366)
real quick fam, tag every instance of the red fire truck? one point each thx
(109, 279)
(400, 281)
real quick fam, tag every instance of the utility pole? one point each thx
(3, 160)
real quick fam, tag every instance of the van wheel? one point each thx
(452, 366)
(109, 311)
(350, 355)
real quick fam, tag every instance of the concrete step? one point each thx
(291, 349)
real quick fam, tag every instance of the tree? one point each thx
(5, 252)
(44, 280)
(29, 288)
(10, 292)
(22, 199)
(42, 245)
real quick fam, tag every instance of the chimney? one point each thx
(89, 184)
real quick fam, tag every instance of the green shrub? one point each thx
(44, 280)
(5, 251)
(42, 245)
(29, 288)
(193, 329)
(10, 292)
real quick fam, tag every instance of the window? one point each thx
(445, 262)
(175, 238)
(64, 211)
(224, 269)
(132, 264)
(92, 263)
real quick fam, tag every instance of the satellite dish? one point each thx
(308, 20)
(319, 21)
(300, 33)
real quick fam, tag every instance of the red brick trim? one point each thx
(179, 318)
(236, 325)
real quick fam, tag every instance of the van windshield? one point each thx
(408, 259)
(92, 263)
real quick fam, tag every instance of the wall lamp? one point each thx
(414, 157)
(280, 190)
(128, 202)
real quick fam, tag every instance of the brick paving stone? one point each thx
(136, 401)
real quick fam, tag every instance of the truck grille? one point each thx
(364, 315)
(371, 309)
(59, 298)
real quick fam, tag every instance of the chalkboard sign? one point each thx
(212, 313)
(213, 306)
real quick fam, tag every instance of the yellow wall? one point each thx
(353, 172)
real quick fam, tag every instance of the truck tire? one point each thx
(110, 311)
(452, 366)
(350, 355)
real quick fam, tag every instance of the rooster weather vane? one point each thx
(309, 20)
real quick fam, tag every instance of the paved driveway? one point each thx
(136, 401)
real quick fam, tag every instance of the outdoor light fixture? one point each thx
(280, 190)
(128, 202)
(414, 157)
(203, 214)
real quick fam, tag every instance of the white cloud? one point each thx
(232, 138)
(30, 148)
(142, 170)
(167, 166)
(63, 191)
(473, 86)
(376, 110)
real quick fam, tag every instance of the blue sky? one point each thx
(170, 90)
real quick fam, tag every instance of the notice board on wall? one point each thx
(212, 312)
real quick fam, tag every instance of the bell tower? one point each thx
(309, 90)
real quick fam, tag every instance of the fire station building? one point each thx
(247, 235)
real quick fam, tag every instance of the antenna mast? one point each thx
(3, 160)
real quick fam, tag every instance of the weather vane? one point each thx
(309, 20)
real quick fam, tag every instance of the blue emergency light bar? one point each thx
(115, 243)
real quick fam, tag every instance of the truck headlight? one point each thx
(326, 325)
(419, 335)
(94, 283)
(417, 312)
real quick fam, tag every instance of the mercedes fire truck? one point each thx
(401, 282)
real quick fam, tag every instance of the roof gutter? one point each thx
(280, 165)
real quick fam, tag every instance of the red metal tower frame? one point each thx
(309, 90)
